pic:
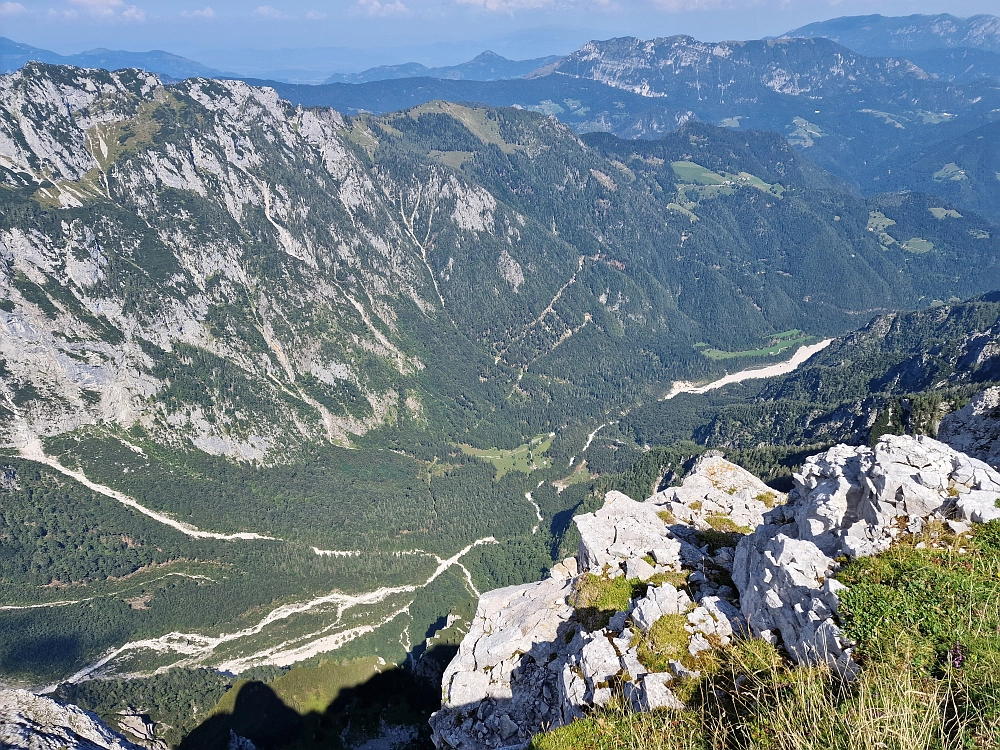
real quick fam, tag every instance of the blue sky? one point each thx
(429, 31)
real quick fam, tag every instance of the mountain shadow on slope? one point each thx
(392, 703)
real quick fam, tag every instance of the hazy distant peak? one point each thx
(486, 66)
(884, 35)
(490, 56)
(14, 55)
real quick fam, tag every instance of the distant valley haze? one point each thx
(307, 41)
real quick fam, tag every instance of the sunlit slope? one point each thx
(331, 367)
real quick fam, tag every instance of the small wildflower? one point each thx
(955, 655)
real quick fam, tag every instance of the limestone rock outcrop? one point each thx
(504, 683)
(33, 722)
(529, 662)
(850, 502)
(626, 531)
(716, 490)
(975, 428)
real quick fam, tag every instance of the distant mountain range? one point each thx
(954, 49)
(815, 92)
(14, 55)
(488, 66)
(881, 36)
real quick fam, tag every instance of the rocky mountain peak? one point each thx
(534, 657)
(732, 72)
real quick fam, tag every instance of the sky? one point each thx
(236, 35)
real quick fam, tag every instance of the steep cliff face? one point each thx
(975, 428)
(735, 72)
(200, 225)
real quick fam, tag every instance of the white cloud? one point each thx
(269, 11)
(688, 5)
(315, 15)
(104, 9)
(12, 9)
(509, 6)
(206, 12)
(68, 15)
(377, 8)
(682, 5)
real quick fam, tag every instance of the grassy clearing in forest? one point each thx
(580, 475)
(776, 344)
(525, 458)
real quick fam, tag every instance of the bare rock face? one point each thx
(975, 428)
(718, 489)
(33, 722)
(853, 502)
(503, 685)
(624, 531)
(528, 662)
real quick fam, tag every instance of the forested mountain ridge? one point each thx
(957, 65)
(822, 96)
(264, 274)
(963, 170)
(953, 49)
(900, 373)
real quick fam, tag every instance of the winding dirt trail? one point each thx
(538, 511)
(199, 649)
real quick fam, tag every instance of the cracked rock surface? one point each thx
(33, 722)
(849, 502)
(528, 663)
(975, 428)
